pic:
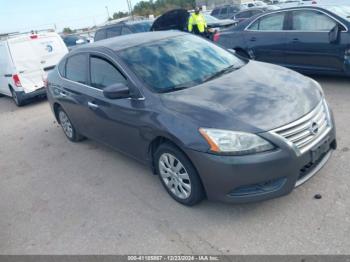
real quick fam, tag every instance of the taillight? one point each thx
(16, 80)
(34, 37)
(216, 37)
(46, 83)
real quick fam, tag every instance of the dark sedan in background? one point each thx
(195, 113)
(307, 39)
(123, 28)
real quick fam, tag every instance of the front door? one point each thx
(115, 122)
(308, 42)
(266, 38)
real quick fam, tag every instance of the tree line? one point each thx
(157, 7)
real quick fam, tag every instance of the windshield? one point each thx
(141, 27)
(178, 62)
(342, 11)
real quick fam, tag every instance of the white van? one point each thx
(25, 60)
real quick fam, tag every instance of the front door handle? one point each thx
(295, 40)
(63, 94)
(253, 39)
(92, 105)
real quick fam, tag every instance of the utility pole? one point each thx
(108, 17)
(130, 8)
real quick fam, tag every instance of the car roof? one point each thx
(125, 41)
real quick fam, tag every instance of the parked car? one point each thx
(25, 59)
(307, 39)
(123, 28)
(73, 41)
(295, 3)
(225, 11)
(177, 19)
(196, 114)
(253, 4)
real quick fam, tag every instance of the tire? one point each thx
(181, 182)
(67, 126)
(17, 98)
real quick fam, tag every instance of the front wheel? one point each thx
(178, 175)
(68, 127)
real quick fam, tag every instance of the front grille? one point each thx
(309, 130)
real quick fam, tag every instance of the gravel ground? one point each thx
(57, 197)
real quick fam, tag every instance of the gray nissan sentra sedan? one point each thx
(209, 123)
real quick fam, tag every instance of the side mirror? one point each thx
(116, 91)
(334, 34)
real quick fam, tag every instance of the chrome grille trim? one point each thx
(298, 134)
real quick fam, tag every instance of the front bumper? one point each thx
(241, 179)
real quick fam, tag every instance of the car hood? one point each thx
(255, 98)
(222, 23)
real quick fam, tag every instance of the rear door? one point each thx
(27, 63)
(308, 44)
(266, 38)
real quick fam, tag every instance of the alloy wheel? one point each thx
(175, 176)
(66, 124)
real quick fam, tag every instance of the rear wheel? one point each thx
(68, 127)
(17, 98)
(178, 175)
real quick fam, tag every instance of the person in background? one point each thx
(197, 23)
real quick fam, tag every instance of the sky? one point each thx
(26, 15)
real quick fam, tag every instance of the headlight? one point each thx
(235, 143)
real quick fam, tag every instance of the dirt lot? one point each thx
(57, 197)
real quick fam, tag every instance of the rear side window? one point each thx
(113, 31)
(100, 35)
(76, 68)
(104, 73)
(272, 22)
(312, 21)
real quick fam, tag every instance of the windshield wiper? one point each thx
(220, 73)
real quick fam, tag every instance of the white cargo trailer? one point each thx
(25, 60)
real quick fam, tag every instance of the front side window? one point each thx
(101, 34)
(126, 31)
(179, 62)
(104, 74)
(272, 22)
(76, 68)
(312, 21)
(215, 12)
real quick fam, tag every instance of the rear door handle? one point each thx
(253, 39)
(295, 40)
(92, 105)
